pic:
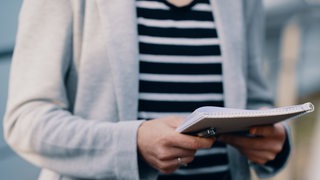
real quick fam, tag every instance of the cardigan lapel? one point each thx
(230, 23)
(118, 20)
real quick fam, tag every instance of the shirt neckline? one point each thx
(187, 7)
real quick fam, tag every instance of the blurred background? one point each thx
(292, 66)
(12, 167)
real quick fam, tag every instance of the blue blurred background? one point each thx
(292, 65)
(12, 167)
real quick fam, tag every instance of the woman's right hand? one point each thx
(161, 146)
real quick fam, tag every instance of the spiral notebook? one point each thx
(211, 121)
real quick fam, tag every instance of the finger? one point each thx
(253, 143)
(173, 152)
(243, 142)
(184, 161)
(268, 131)
(259, 157)
(171, 165)
(237, 141)
(262, 131)
(257, 149)
(191, 142)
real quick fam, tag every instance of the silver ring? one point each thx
(181, 163)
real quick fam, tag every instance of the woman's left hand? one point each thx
(264, 144)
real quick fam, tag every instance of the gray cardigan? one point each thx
(73, 92)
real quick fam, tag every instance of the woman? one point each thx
(83, 72)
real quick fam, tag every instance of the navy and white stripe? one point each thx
(181, 70)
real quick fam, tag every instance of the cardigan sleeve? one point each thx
(39, 124)
(259, 95)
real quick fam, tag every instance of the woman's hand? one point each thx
(161, 146)
(264, 144)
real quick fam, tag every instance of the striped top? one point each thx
(181, 70)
